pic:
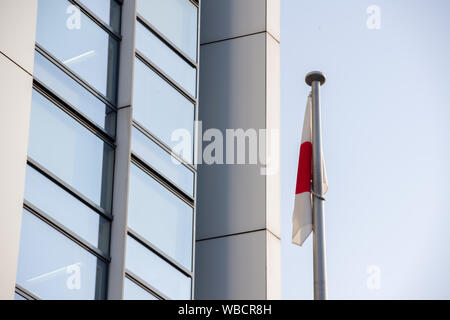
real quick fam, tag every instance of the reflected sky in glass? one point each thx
(160, 108)
(106, 10)
(162, 161)
(175, 19)
(132, 291)
(78, 43)
(66, 209)
(53, 267)
(160, 217)
(70, 151)
(166, 59)
(156, 272)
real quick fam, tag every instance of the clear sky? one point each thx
(386, 114)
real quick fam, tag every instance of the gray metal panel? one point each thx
(232, 18)
(231, 198)
(232, 267)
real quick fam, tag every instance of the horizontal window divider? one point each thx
(106, 27)
(159, 253)
(26, 293)
(144, 166)
(194, 2)
(161, 144)
(52, 177)
(166, 182)
(74, 112)
(144, 285)
(74, 76)
(165, 77)
(166, 41)
(66, 232)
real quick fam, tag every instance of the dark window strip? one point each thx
(21, 291)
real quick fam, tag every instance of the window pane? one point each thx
(70, 151)
(67, 210)
(132, 291)
(79, 43)
(72, 92)
(162, 161)
(160, 108)
(176, 19)
(18, 297)
(166, 59)
(160, 217)
(54, 267)
(107, 10)
(157, 272)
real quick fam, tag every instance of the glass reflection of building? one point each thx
(68, 203)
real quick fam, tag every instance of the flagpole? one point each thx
(315, 79)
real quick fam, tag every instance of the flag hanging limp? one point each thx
(302, 222)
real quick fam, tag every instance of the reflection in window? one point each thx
(106, 10)
(160, 217)
(66, 209)
(72, 92)
(79, 43)
(162, 161)
(166, 59)
(70, 151)
(157, 272)
(52, 266)
(132, 291)
(161, 109)
(175, 19)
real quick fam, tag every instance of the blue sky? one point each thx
(386, 112)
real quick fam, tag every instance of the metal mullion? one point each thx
(164, 39)
(166, 181)
(63, 185)
(145, 285)
(153, 174)
(195, 3)
(74, 76)
(166, 77)
(162, 145)
(28, 295)
(159, 253)
(66, 232)
(94, 18)
(74, 112)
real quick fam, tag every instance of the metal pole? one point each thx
(315, 79)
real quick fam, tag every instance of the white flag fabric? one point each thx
(302, 223)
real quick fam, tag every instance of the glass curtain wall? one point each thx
(161, 205)
(64, 248)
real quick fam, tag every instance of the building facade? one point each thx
(97, 200)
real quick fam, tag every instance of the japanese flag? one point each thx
(302, 222)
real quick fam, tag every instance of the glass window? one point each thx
(166, 59)
(54, 267)
(176, 19)
(72, 92)
(79, 43)
(107, 10)
(162, 161)
(70, 151)
(132, 291)
(157, 272)
(18, 297)
(161, 109)
(160, 217)
(67, 210)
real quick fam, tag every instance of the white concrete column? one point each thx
(238, 247)
(17, 39)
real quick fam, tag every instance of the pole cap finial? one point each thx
(315, 76)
